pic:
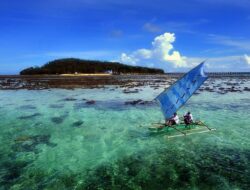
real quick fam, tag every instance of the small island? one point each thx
(80, 66)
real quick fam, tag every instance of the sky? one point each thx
(172, 35)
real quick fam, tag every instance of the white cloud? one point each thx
(128, 59)
(229, 41)
(150, 27)
(247, 58)
(163, 55)
(162, 52)
(223, 63)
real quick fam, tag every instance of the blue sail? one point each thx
(178, 94)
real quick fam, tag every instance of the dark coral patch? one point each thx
(56, 106)
(30, 116)
(29, 143)
(57, 120)
(69, 99)
(77, 123)
(27, 107)
(90, 102)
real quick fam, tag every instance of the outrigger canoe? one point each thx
(180, 130)
(174, 97)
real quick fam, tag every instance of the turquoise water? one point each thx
(52, 139)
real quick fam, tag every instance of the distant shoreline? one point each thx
(39, 82)
(171, 74)
(68, 81)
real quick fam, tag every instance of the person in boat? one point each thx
(173, 120)
(188, 118)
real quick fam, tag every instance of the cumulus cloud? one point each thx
(162, 55)
(247, 58)
(162, 52)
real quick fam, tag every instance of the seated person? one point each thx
(173, 120)
(188, 118)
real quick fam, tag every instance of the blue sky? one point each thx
(173, 35)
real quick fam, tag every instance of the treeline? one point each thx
(72, 65)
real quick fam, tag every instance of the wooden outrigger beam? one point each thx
(177, 129)
(205, 125)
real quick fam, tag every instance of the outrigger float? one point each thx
(173, 98)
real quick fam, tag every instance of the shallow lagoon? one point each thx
(53, 139)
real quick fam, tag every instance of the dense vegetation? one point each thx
(71, 66)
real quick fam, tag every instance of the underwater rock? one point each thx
(56, 106)
(127, 91)
(29, 143)
(134, 102)
(90, 102)
(57, 120)
(27, 107)
(221, 88)
(155, 86)
(246, 89)
(69, 99)
(30, 116)
(139, 102)
(233, 89)
(77, 124)
(147, 103)
(209, 89)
